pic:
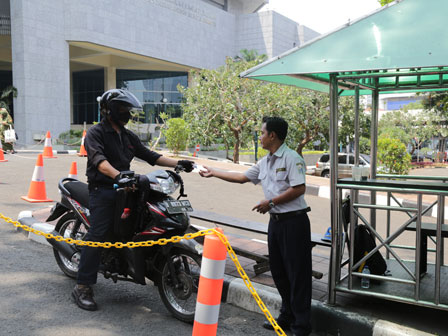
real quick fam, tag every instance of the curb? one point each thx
(331, 320)
(39, 151)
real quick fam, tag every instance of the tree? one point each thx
(393, 156)
(385, 2)
(249, 56)
(347, 117)
(436, 107)
(176, 135)
(305, 111)
(220, 105)
(6, 97)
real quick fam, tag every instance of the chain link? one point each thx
(164, 241)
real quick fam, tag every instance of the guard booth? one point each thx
(399, 48)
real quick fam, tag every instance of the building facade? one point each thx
(61, 54)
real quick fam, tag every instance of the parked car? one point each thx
(345, 164)
(421, 158)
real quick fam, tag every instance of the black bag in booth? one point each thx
(364, 243)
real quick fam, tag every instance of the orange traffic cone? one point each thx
(2, 156)
(73, 171)
(48, 149)
(82, 149)
(37, 191)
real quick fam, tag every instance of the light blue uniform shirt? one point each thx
(278, 172)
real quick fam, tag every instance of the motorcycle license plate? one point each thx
(176, 207)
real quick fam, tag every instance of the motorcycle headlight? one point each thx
(168, 186)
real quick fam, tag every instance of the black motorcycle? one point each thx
(144, 212)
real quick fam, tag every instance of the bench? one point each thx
(427, 229)
(262, 261)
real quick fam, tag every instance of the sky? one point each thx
(323, 15)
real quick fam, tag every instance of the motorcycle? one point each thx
(144, 212)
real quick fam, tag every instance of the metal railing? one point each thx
(410, 272)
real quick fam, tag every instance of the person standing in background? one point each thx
(5, 123)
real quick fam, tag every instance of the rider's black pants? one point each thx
(102, 212)
(289, 244)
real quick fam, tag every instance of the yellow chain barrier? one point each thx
(164, 241)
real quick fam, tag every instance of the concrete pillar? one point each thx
(40, 66)
(111, 78)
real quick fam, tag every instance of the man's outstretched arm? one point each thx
(234, 177)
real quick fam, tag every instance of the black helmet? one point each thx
(112, 100)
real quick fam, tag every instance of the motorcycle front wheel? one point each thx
(180, 298)
(69, 226)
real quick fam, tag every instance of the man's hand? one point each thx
(207, 172)
(187, 165)
(262, 207)
(125, 182)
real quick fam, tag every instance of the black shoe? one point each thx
(285, 325)
(83, 296)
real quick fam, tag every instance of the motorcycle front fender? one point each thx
(190, 245)
(57, 211)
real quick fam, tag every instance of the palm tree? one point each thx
(6, 97)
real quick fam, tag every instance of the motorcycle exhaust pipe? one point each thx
(67, 250)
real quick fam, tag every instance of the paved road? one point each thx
(35, 295)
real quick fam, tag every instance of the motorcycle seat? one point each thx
(78, 191)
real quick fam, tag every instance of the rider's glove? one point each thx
(124, 182)
(187, 165)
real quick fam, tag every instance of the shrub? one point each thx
(393, 156)
(176, 135)
(71, 137)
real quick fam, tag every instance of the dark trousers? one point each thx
(102, 212)
(289, 243)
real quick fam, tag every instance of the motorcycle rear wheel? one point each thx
(69, 226)
(181, 301)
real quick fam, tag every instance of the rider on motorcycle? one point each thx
(110, 150)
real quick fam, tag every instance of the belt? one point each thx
(285, 215)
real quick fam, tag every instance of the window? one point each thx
(156, 90)
(325, 158)
(87, 85)
(342, 159)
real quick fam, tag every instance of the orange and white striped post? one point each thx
(82, 149)
(37, 192)
(210, 286)
(198, 148)
(48, 148)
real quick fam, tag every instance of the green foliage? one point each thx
(71, 137)
(6, 97)
(364, 145)
(393, 156)
(249, 56)
(385, 2)
(409, 128)
(176, 134)
(347, 118)
(221, 105)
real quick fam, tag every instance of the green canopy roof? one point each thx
(400, 47)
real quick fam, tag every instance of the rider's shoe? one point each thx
(83, 296)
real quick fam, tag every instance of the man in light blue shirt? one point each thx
(282, 176)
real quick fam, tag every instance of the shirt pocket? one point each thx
(281, 176)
